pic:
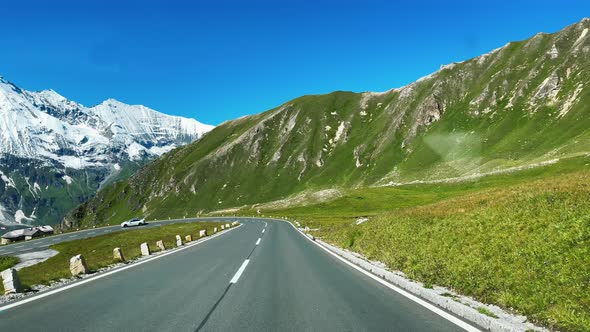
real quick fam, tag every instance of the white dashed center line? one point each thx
(240, 271)
(258, 242)
(263, 230)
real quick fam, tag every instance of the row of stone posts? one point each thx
(79, 267)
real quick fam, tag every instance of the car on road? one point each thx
(133, 222)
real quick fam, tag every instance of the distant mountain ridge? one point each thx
(52, 148)
(522, 104)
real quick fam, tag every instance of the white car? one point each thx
(133, 222)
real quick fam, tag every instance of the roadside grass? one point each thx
(486, 312)
(520, 241)
(7, 262)
(98, 251)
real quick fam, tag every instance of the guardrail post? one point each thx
(78, 265)
(118, 255)
(178, 241)
(188, 238)
(11, 282)
(202, 233)
(160, 244)
(145, 249)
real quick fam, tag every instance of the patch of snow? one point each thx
(19, 216)
(328, 128)
(135, 151)
(363, 113)
(67, 179)
(36, 187)
(8, 181)
(32, 258)
(117, 167)
(30, 187)
(334, 113)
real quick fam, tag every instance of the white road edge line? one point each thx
(258, 242)
(58, 290)
(240, 271)
(466, 326)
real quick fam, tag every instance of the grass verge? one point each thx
(98, 251)
(7, 262)
(521, 241)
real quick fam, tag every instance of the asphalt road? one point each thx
(38, 244)
(262, 276)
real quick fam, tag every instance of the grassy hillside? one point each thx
(521, 241)
(524, 103)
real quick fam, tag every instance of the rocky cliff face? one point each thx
(523, 103)
(55, 153)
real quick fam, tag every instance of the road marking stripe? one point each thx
(258, 242)
(239, 273)
(263, 230)
(466, 326)
(90, 279)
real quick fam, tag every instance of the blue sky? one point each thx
(218, 60)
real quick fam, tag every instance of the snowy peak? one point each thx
(47, 126)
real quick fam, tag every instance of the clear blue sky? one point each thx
(217, 60)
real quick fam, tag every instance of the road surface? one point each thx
(261, 276)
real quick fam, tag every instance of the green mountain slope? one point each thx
(521, 104)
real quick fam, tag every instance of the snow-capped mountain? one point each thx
(48, 142)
